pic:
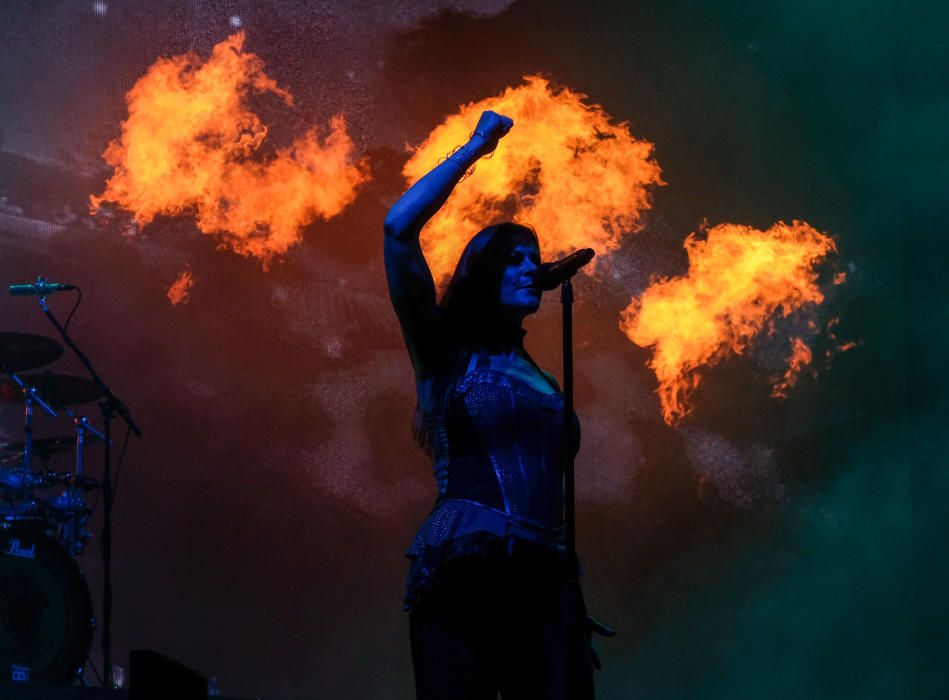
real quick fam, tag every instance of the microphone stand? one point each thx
(111, 406)
(575, 607)
(566, 299)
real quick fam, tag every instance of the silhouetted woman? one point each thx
(486, 576)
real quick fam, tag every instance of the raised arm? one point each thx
(411, 286)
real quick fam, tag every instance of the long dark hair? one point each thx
(469, 316)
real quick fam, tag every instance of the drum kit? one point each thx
(46, 621)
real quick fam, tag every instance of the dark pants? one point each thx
(498, 625)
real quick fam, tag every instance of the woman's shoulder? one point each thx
(546, 375)
(550, 378)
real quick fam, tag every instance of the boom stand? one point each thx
(111, 406)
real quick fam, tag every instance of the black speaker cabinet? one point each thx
(156, 677)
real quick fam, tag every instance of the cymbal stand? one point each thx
(74, 533)
(30, 395)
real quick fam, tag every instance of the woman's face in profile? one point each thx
(518, 295)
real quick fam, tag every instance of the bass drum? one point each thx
(46, 622)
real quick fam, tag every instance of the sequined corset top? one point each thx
(499, 443)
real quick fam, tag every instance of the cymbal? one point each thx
(58, 389)
(43, 448)
(22, 351)
(87, 483)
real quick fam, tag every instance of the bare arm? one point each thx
(411, 286)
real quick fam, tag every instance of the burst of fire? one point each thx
(801, 356)
(841, 346)
(180, 290)
(578, 179)
(188, 144)
(739, 278)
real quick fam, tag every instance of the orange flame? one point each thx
(738, 279)
(564, 168)
(801, 356)
(187, 145)
(840, 347)
(179, 292)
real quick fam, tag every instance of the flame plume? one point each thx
(188, 145)
(801, 356)
(180, 290)
(739, 278)
(831, 330)
(578, 179)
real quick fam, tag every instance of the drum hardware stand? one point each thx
(111, 406)
(29, 396)
(75, 535)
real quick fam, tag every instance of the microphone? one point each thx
(551, 275)
(40, 288)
